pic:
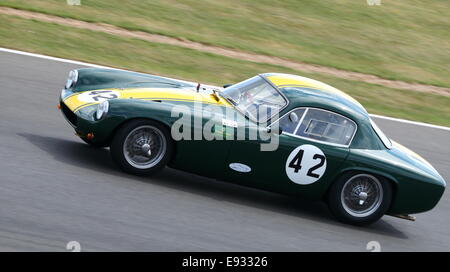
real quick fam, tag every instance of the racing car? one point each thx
(320, 143)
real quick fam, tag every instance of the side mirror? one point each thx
(227, 85)
(293, 117)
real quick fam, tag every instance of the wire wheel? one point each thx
(144, 147)
(362, 195)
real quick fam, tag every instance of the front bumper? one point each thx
(68, 114)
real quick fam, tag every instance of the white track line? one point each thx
(106, 67)
(410, 122)
(51, 58)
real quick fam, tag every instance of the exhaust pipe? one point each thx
(405, 216)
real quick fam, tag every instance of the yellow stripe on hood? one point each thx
(80, 100)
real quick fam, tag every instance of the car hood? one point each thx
(94, 85)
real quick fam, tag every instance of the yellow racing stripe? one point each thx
(92, 97)
(282, 80)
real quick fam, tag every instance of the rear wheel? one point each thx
(142, 147)
(359, 198)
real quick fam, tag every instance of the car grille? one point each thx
(70, 116)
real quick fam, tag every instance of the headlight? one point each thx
(72, 79)
(102, 109)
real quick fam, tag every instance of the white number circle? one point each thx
(98, 96)
(306, 164)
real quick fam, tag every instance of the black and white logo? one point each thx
(239, 167)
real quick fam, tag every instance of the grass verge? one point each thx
(405, 40)
(172, 61)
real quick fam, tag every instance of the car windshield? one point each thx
(255, 98)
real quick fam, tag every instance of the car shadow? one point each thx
(98, 159)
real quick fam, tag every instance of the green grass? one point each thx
(172, 61)
(403, 39)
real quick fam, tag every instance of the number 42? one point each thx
(296, 163)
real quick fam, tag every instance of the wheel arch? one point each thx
(125, 121)
(389, 178)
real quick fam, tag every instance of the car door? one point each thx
(199, 155)
(311, 148)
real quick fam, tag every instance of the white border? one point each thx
(12, 51)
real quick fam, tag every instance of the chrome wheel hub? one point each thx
(146, 149)
(362, 195)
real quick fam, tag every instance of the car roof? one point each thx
(306, 92)
(303, 91)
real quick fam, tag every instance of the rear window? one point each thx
(386, 141)
(326, 126)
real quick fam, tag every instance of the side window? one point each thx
(290, 121)
(326, 126)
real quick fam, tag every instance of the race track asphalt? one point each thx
(55, 189)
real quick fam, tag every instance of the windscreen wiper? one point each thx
(229, 99)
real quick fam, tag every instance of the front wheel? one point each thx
(359, 198)
(141, 147)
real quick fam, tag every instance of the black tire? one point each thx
(124, 161)
(342, 210)
(93, 144)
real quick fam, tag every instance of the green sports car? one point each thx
(278, 132)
